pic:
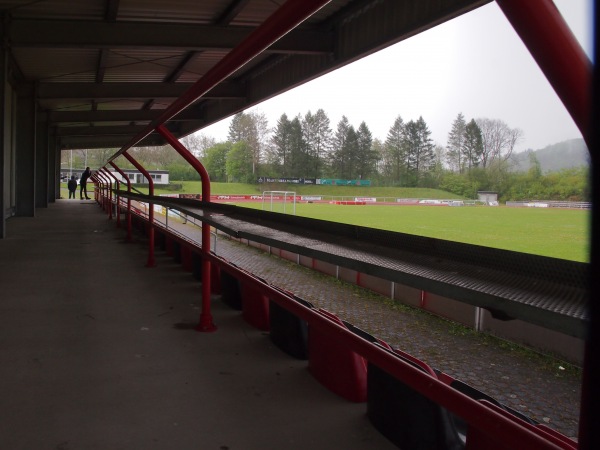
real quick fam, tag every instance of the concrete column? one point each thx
(54, 165)
(42, 163)
(4, 189)
(25, 157)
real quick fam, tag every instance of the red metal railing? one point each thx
(488, 423)
(286, 18)
(151, 260)
(281, 22)
(103, 188)
(109, 178)
(117, 185)
(568, 70)
(126, 178)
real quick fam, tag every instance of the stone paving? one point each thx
(544, 388)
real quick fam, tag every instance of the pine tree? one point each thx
(456, 142)
(473, 147)
(351, 154)
(367, 157)
(322, 142)
(338, 160)
(281, 141)
(420, 150)
(395, 150)
(298, 164)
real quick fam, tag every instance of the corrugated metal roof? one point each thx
(107, 56)
(55, 9)
(179, 11)
(57, 65)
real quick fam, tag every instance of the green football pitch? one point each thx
(558, 233)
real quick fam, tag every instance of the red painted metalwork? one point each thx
(206, 323)
(118, 169)
(281, 22)
(487, 421)
(108, 197)
(151, 260)
(108, 176)
(286, 18)
(104, 185)
(334, 363)
(97, 184)
(568, 69)
(556, 50)
(117, 200)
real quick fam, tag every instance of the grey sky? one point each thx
(474, 64)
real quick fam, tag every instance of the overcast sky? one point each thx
(474, 64)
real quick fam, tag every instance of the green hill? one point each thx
(563, 155)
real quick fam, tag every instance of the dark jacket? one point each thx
(72, 185)
(84, 176)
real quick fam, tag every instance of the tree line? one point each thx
(477, 156)
(307, 146)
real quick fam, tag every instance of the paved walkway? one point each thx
(546, 389)
(98, 352)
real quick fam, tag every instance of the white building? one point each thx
(134, 175)
(487, 197)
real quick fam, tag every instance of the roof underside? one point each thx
(102, 70)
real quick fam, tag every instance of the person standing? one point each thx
(72, 185)
(83, 183)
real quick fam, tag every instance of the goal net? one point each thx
(279, 201)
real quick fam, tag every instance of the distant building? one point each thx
(487, 196)
(134, 175)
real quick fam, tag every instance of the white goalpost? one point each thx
(279, 200)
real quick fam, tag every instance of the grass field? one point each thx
(195, 187)
(557, 233)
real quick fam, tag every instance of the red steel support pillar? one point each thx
(151, 261)
(106, 173)
(117, 199)
(118, 169)
(102, 180)
(102, 177)
(545, 33)
(543, 30)
(282, 21)
(97, 187)
(206, 320)
(94, 179)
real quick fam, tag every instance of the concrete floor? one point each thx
(97, 351)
